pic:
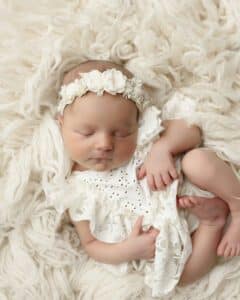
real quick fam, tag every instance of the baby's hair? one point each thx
(89, 65)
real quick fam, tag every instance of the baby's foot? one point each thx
(230, 243)
(209, 211)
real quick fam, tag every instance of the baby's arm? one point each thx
(139, 245)
(179, 137)
(159, 165)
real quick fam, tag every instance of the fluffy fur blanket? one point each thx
(191, 46)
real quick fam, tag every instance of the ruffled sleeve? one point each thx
(80, 200)
(180, 106)
(150, 126)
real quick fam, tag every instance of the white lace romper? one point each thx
(112, 201)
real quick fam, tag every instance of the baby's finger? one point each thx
(166, 178)
(141, 172)
(173, 173)
(154, 232)
(159, 183)
(137, 227)
(151, 182)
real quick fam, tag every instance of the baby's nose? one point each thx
(105, 142)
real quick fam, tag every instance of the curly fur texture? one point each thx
(191, 46)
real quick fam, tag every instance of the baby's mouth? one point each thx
(102, 157)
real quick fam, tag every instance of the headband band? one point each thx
(111, 81)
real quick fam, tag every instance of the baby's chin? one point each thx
(100, 165)
(103, 166)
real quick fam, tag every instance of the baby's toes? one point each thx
(194, 200)
(189, 203)
(234, 251)
(227, 251)
(238, 250)
(181, 203)
(221, 249)
(185, 202)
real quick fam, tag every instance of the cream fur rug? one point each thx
(190, 45)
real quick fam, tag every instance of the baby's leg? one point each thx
(212, 214)
(203, 168)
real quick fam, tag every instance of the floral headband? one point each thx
(111, 81)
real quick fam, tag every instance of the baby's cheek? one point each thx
(128, 150)
(75, 148)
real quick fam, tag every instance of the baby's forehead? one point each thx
(101, 107)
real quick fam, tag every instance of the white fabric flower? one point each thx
(112, 81)
(93, 81)
(69, 92)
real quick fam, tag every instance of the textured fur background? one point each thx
(187, 45)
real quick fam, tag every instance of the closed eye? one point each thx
(84, 133)
(122, 134)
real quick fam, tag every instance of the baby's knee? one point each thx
(198, 165)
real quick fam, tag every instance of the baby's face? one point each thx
(100, 132)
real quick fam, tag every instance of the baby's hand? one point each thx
(141, 245)
(159, 167)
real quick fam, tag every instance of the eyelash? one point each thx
(122, 135)
(116, 135)
(85, 134)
